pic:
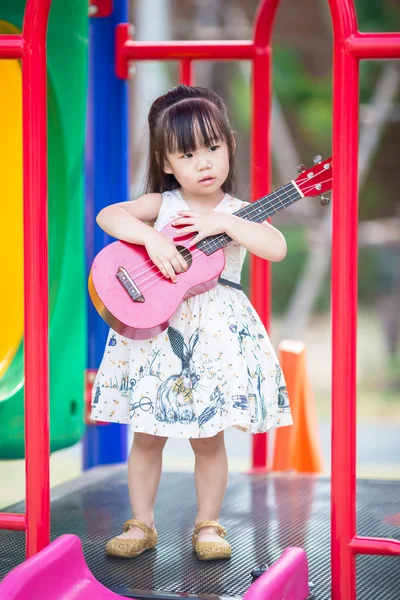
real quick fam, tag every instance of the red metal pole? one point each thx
(260, 280)
(186, 71)
(218, 50)
(35, 276)
(11, 46)
(126, 49)
(13, 521)
(374, 45)
(260, 286)
(368, 545)
(344, 302)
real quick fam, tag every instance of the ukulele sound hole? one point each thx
(186, 254)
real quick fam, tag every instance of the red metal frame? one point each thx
(11, 46)
(100, 8)
(30, 48)
(349, 46)
(186, 72)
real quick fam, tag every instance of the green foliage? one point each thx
(314, 122)
(240, 101)
(375, 15)
(292, 84)
(284, 274)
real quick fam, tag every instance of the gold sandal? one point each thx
(129, 548)
(211, 550)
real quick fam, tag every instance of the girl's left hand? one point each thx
(211, 223)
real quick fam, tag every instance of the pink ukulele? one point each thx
(137, 301)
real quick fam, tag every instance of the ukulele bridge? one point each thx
(129, 285)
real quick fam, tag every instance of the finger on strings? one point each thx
(182, 262)
(153, 280)
(170, 271)
(175, 262)
(163, 269)
(195, 240)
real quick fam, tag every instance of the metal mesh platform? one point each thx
(263, 515)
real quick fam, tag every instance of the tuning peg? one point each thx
(317, 159)
(301, 168)
(324, 201)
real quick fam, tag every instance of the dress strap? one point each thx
(232, 284)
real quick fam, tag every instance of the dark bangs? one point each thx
(184, 126)
(192, 124)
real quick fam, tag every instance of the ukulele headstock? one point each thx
(316, 180)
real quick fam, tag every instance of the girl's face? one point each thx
(202, 171)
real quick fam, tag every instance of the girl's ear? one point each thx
(165, 167)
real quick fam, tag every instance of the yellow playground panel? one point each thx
(11, 236)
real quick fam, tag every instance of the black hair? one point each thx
(180, 121)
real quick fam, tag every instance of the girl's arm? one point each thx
(262, 239)
(126, 220)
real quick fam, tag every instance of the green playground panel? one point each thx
(67, 59)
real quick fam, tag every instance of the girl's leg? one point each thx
(144, 471)
(211, 476)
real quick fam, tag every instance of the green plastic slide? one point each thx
(67, 45)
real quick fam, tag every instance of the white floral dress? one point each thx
(213, 368)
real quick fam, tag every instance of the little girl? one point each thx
(214, 367)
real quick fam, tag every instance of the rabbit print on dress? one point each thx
(175, 394)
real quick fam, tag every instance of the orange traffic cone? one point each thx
(297, 447)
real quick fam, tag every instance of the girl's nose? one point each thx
(203, 164)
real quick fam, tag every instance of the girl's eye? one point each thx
(213, 148)
(187, 155)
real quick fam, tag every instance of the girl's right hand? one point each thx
(164, 254)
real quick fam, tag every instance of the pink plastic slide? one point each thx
(287, 579)
(60, 572)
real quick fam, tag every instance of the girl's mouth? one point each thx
(207, 180)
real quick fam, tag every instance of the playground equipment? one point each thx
(258, 510)
(66, 89)
(60, 571)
